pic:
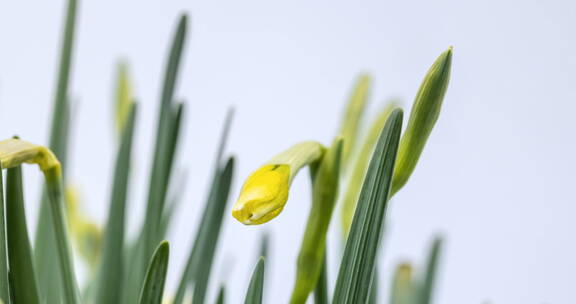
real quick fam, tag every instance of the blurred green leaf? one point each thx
(352, 119)
(221, 295)
(211, 218)
(360, 165)
(45, 251)
(124, 97)
(403, 291)
(153, 287)
(255, 289)
(200, 258)
(166, 138)
(425, 294)
(357, 266)
(111, 272)
(264, 245)
(168, 128)
(22, 277)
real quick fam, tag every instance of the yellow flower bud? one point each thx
(265, 192)
(14, 152)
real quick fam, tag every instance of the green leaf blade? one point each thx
(255, 289)
(153, 287)
(427, 286)
(358, 263)
(112, 264)
(22, 276)
(212, 214)
(168, 126)
(45, 251)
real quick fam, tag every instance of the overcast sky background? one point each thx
(496, 178)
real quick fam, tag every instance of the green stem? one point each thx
(54, 187)
(325, 177)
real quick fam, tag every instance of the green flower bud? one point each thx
(423, 116)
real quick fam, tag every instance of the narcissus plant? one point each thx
(357, 172)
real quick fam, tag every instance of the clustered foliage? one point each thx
(360, 170)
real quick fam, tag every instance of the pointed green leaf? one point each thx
(166, 138)
(255, 289)
(111, 272)
(358, 262)
(214, 202)
(427, 286)
(199, 263)
(168, 127)
(153, 287)
(22, 277)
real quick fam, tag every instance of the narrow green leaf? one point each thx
(200, 259)
(166, 136)
(359, 166)
(168, 126)
(353, 115)
(218, 182)
(111, 272)
(22, 277)
(321, 290)
(45, 251)
(357, 266)
(427, 286)
(209, 234)
(4, 282)
(255, 289)
(423, 117)
(221, 295)
(124, 98)
(403, 291)
(153, 287)
(325, 183)
(264, 245)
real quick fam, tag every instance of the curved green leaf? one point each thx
(153, 287)
(255, 289)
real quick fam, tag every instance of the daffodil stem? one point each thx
(325, 176)
(55, 195)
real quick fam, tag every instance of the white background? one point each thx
(496, 179)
